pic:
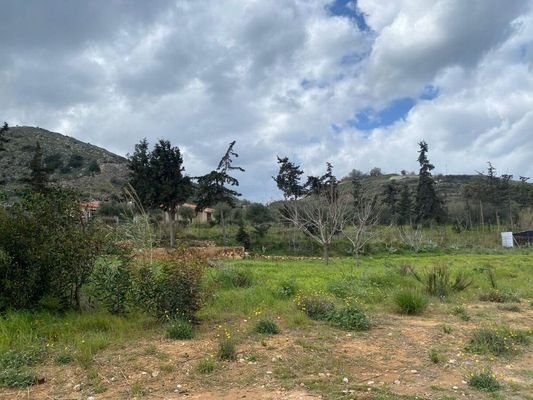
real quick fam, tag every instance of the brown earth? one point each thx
(304, 362)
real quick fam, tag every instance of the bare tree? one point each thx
(358, 226)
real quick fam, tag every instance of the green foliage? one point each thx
(93, 167)
(410, 301)
(76, 161)
(48, 250)
(242, 237)
(172, 291)
(179, 329)
(434, 356)
(461, 312)
(496, 340)
(14, 371)
(226, 350)
(437, 280)
(39, 173)
(288, 179)
(260, 217)
(484, 380)
(315, 306)
(112, 282)
(206, 366)
(499, 296)
(266, 326)
(350, 317)
(53, 161)
(287, 288)
(234, 278)
(63, 358)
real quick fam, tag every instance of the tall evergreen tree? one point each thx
(405, 206)
(39, 174)
(3, 131)
(428, 206)
(390, 198)
(159, 180)
(288, 179)
(212, 186)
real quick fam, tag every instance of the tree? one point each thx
(3, 130)
(39, 173)
(376, 171)
(212, 187)
(322, 214)
(260, 218)
(186, 214)
(159, 180)
(242, 236)
(391, 200)
(405, 206)
(288, 179)
(428, 206)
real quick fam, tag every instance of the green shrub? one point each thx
(63, 358)
(484, 380)
(438, 281)
(410, 301)
(434, 356)
(172, 291)
(180, 330)
(287, 288)
(498, 296)
(14, 371)
(226, 350)
(113, 284)
(266, 326)
(350, 317)
(17, 377)
(315, 306)
(205, 366)
(461, 312)
(496, 340)
(235, 278)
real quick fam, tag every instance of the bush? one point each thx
(315, 306)
(112, 283)
(14, 371)
(496, 340)
(48, 250)
(226, 350)
(266, 326)
(172, 291)
(350, 317)
(410, 301)
(206, 366)
(434, 356)
(484, 380)
(497, 296)
(287, 288)
(438, 282)
(235, 278)
(180, 330)
(461, 312)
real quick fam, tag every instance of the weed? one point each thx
(266, 326)
(484, 380)
(234, 278)
(205, 366)
(437, 281)
(63, 358)
(496, 340)
(498, 296)
(510, 307)
(137, 389)
(287, 288)
(180, 330)
(316, 306)
(17, 377)
(350, 317)
(434, 356)
(461, 312)
(410, 301)
(447, 329)
(226, 350)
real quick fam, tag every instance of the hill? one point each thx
(96, 172)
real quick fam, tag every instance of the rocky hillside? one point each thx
(96, 172)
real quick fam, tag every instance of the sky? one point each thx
(354, 83)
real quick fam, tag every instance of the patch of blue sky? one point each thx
(348, 8)
(369, 119)
(430, 92)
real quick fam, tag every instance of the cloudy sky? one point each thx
(356, 83)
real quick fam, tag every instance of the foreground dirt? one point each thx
(313, 361)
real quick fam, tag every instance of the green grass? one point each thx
(410, 301)
(500, 340)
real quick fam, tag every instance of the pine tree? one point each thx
(212, 187)
(428, 206)
(39, 174)
(288, 179)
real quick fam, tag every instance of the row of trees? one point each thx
(158, 176)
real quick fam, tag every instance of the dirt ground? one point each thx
(310, 362)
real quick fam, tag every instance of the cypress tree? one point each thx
(428, 206)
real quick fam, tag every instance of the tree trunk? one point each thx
(326, 254)
(224, 238)
(172, 215)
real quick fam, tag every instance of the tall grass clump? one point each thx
(438, 282)
(180, 330)
(410, 301)
(500, 340)
(234, 278)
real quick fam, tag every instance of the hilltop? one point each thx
(96, 172)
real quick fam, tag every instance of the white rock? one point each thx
(269, 372)
(155, 374)
(274, 359)
(370, 383)
(455, 387)
(345, 380)
(178, 386)
(414, 371)
(452, 361)
(91, 398)
(77, 387)
(396, 382)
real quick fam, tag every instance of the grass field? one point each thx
(454, 346)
